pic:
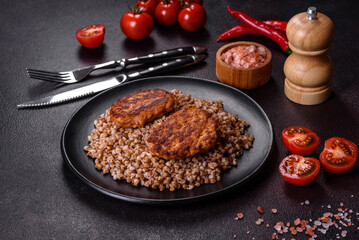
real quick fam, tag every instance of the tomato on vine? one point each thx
(192, 17)
(148, 6)
(136, 24)
(167, 11)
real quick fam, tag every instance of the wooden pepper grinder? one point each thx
(308, 69)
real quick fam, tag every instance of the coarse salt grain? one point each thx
(260, 210)
(244, 56)
(277, 227)
(322, 224)
(259, 221)
(317, 223)
(300, 229)
(342, 223)
(274, 236)
(327, 225)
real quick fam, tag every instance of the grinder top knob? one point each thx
(312, 13)
(310, 33)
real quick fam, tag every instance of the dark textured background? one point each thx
(40, 198)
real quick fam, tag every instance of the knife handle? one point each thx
(164, 55)
(168, 66)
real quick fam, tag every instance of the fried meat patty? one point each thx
(141, 107)
(184, 133)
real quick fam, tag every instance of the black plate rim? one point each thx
(166, 201)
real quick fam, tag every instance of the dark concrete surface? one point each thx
(40, 197)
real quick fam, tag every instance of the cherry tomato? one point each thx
(299, 170)
(91, 36)
(137, 25)
(167, 12)
(339, 155)
(148, 6)
(192, 17)
(300, 140)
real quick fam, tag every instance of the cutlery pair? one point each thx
(173, 59)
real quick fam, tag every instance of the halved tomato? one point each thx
(299, 170)
(339, 155)
(91, 36)
(300, 140)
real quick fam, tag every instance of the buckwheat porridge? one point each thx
(124, 153)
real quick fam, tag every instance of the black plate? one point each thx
(80, 125)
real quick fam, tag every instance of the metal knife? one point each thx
(113, 82)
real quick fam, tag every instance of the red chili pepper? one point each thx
(238, 31)
(263, 28)
(279, 25)
(242, 30)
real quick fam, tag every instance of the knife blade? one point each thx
(112, 82)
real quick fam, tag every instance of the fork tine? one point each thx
(46, 72)
(49, 78)
(37, 70)
(31, 74)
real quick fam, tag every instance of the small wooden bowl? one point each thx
(243, 78)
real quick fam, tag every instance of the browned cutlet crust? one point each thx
(141, 107)
(184, 133)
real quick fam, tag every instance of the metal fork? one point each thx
(77, 75)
